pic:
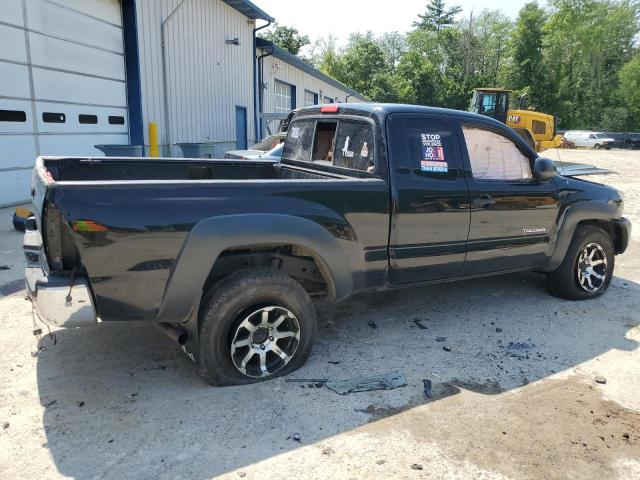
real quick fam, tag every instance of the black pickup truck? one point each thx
(226, 256)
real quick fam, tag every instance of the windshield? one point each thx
(270, 142)
(600, 135)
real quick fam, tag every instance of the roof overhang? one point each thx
(291, 59)
(249, 10)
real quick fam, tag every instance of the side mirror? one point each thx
(544, 169)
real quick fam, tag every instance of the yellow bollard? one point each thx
(154, 150)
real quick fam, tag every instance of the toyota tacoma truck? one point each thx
(227, 256)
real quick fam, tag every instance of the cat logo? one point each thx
(514, 118)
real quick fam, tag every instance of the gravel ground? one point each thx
(515, 397)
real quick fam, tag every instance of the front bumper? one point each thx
(623, 233)
(57, 302)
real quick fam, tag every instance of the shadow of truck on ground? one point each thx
(119, 399)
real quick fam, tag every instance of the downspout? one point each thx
(261, 80)
(257, 104)
(165, 88)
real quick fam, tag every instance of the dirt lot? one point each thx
(515, 397)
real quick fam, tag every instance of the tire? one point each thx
(565, 282)
(237, 304)
(597, 146)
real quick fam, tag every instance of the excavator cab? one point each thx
(492, 102)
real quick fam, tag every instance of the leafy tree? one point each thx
(629, 90)
(437, 16)
(527, 57)
(285, 37)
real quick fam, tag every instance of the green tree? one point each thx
(437, 16)
(527, 72)
(629, 91)
(587, 43)
(285, 37)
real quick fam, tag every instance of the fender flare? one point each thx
(571, 217)
(210, 237)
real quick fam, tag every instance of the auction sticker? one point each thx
(433, 160)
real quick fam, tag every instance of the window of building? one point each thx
(539, 128)
(310, 98)
(88, 119)
(284, 97)
(12, 116)
(494, 156)
(328, 100)
(116, 120)
(299, 141)
(354, 146)
(50, 117)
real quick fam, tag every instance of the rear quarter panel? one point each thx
(148, 224)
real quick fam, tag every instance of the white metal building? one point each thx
(79, 73)
(288, 83)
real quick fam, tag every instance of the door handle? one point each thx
(483, 201)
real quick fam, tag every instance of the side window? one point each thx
(494, 156)
(354, 146)
(430, 147)
(299, 141)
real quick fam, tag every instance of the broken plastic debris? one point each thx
(367, 384)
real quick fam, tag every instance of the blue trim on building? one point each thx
(132, 66)
(294, 97)
(249, 10)
(305, 67)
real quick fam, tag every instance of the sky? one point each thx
(342, 17)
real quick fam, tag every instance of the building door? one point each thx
(241, 128)
(63, 84)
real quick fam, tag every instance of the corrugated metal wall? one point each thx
(276, 69)
(206, 78)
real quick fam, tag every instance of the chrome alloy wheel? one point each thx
(265, 341)
(592, 268)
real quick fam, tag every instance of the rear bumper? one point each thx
(57, 302)
(623, 233)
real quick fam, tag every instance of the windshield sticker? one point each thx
(364, 153)
(295, 133)
(433, 160)
(345, 150)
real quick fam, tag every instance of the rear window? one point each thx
(299, 141)
(354, 146)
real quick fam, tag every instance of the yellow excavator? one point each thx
(538, 129)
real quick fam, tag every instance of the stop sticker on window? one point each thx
(433, 160)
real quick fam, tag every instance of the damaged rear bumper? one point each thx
(57, 302)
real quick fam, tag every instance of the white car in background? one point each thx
(581, 138)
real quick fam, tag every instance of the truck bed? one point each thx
(173, 169)
(123, 222)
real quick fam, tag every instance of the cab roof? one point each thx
(381, 110)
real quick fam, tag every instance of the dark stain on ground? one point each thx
(11, 288)
(440, 390)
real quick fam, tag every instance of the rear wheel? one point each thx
(587, 268)
(256, 324)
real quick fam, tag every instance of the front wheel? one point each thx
(587, 268)
(255, 324)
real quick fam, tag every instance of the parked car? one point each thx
(274, 154)
(226, 256)
(259, 148)
(589, 139)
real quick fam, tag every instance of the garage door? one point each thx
(63, 84)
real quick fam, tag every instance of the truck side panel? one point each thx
(130, 235)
